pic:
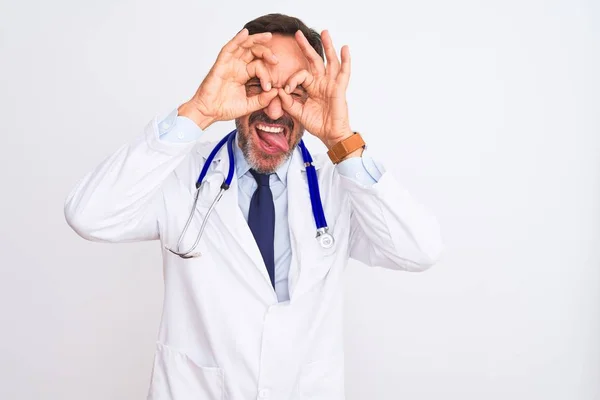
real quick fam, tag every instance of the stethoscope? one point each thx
(324, 238)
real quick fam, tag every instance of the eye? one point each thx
(253, 87)
(300, 95)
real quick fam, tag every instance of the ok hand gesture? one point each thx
(222, 95)
(324, 111)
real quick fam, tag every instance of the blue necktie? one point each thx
(261, 220)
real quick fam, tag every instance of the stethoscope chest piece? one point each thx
(325, 238)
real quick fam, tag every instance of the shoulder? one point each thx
(189, 168)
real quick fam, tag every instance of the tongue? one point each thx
(277, 140)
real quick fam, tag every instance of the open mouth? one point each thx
(272, 138)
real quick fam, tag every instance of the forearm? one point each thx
(115, 201)
(390, 228)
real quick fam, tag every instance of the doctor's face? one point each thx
(268, 137)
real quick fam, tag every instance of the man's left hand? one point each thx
(317, 97)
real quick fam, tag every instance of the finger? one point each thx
(235, 47)
(316, 62)
(259, 70)
(333, 63)
(259, 51)
(261, 100)
(292, 107)
(302, 77)
(236, 41)
(344, 76)
(252, 40)
(257, 38)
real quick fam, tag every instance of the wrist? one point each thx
(330, 142)
(349, 146)
(191, 111)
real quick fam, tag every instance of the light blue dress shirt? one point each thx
(177, 129)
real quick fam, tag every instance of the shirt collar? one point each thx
(242, 167)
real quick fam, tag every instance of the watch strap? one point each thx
(343, 148)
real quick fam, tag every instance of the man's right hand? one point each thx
(222, 95)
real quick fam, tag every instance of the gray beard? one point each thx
(251, 155)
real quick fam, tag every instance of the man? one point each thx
(258, 314)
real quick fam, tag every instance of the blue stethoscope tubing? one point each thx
(323, 236)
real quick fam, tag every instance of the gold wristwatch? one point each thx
(341, 149)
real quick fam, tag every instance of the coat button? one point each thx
(263, 393)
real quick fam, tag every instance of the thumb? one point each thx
(294, 108)
(261, 100)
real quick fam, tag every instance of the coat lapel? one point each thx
(308, 264)
(231, 218)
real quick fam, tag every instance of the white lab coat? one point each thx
(223, 335)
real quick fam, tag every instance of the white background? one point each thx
(486, 110)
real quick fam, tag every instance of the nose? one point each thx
(274, 110)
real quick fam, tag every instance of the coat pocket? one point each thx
(176, 377)
(323, 379)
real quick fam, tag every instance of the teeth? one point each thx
(271, 129)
